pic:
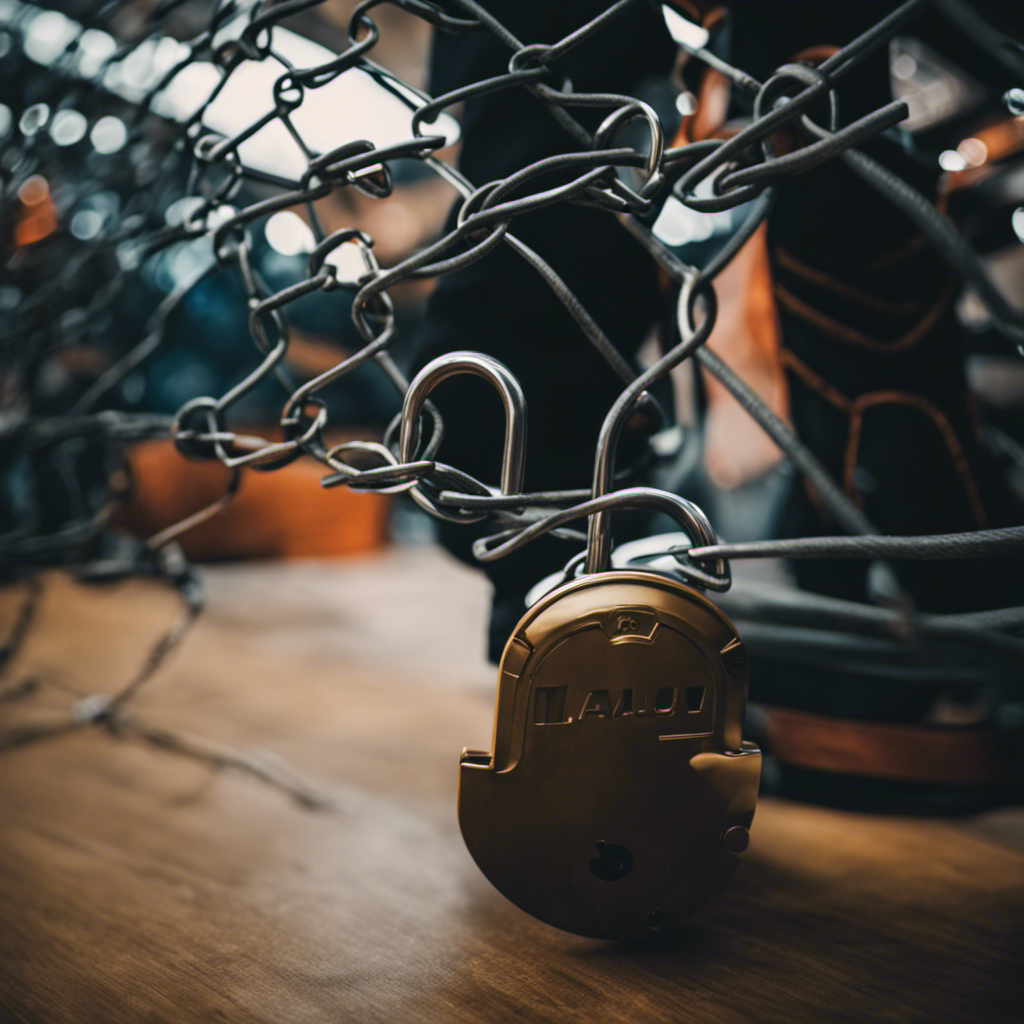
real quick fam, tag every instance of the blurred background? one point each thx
(91, 181)
(341, 659)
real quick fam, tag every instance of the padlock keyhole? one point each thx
(612, 862)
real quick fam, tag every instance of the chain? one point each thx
(143, 69)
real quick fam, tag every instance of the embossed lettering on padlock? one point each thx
(619, 793)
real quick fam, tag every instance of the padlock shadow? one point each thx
(749, 902)
(773, 923)
(752, 900)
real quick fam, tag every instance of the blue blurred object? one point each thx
(207, 346)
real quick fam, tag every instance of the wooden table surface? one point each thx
(138, 886)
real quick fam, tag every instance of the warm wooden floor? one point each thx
(138, 886)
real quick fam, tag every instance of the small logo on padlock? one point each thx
(551, 705)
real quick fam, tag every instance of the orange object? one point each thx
(284, 514)
(941, 755)
(748, 337)
(747, 333)
(37, 216)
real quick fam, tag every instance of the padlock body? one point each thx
(617, 768)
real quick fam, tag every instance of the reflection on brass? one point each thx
(619, 793)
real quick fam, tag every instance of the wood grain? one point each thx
(138, 886)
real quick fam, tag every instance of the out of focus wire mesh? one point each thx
(223, 216)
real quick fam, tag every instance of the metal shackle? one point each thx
(689, 516)
(622, 116)
(513, 459)
(599, 539)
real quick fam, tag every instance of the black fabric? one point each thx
(830, 220)
(501, 306)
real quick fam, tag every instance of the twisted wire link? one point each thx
(604, 172)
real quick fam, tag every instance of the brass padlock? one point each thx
(619, 793)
